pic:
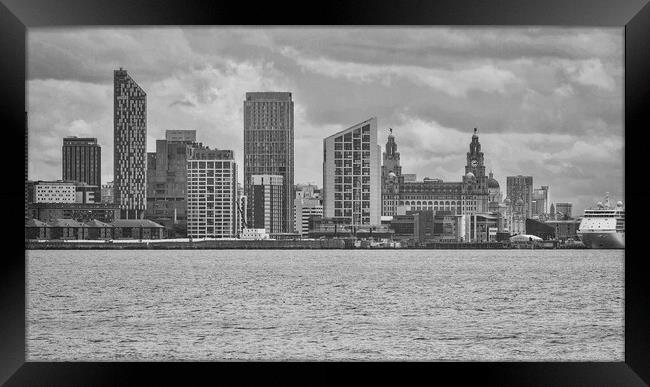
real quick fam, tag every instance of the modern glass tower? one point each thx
(268, 145)
(129, 146)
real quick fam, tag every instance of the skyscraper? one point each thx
(268, 145)
(212, 194)
(82, 161)
(129, 145)
(351, 174)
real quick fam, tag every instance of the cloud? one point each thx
(591, 72)
(182, 103)
(454, 82)
(547, 101)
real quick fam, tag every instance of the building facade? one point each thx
(180, 135)
(82, 212)
(539, 202)
(167, 180)
(391, 177)
(266, 204)
(268, 145)
(61, 191)
(352, 174)
(107, 192)
(129, 145)
(519, 189)
(470, 195)
(82, 161)
(563, 210)
(211, 194)
(307, 203)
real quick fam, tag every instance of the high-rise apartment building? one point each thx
(268, 145)
(519, 189)
(211, 194)
(167, 180)
(266, 203)
(352, 174)
(129, 145)
(82, 161)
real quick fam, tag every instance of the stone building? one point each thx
(470, 195)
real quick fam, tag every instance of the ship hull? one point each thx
(603, 240)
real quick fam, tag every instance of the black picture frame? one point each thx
(16, 16)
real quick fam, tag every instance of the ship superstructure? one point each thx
(603, 226)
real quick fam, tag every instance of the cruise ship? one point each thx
(603, 226)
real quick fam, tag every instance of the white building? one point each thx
(55, 192)
(62, 191)
(254, 234)
(212, 194)
(304, 208)
(352, 174)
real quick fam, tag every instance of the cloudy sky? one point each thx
(547, 102)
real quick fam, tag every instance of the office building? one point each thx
(519, 189)
(268, 145)
(129, 145)
(167, 180)
(539, 202)
(211, 194)
(307, 203)
(352, 174)
(82, 161)
(266, 203)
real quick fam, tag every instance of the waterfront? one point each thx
(491, 305)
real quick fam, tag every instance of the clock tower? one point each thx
(475, 158)
(475, 182)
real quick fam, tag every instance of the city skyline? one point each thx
(431, 85)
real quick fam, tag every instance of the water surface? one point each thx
(465, 305)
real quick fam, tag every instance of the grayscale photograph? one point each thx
(325, 194)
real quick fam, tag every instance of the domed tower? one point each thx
(494, 191)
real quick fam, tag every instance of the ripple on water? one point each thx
(357, 305)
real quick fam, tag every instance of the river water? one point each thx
(459, 305)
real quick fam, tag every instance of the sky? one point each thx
(547, 101)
